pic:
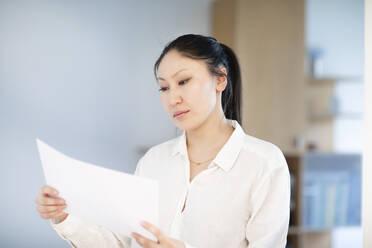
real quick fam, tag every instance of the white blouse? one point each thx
(241, 199)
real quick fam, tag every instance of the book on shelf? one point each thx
(331, 192)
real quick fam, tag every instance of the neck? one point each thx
(214, 131)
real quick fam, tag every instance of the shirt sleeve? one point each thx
(82, 234)
(269, 220)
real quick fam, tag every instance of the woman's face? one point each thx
(187, 90)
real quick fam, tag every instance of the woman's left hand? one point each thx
(163, 241)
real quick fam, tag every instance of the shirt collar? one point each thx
(229, 152)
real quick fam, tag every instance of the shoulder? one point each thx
(163, 149)
(158, 154)
(262, 148)
(269, 155)
(269, 167)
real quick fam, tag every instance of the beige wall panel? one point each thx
(223, 22)
(269, 41)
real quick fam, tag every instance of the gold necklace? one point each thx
(199, 163)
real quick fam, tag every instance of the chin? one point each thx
(186, 125)
(181, 125)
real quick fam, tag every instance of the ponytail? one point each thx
(231, 96)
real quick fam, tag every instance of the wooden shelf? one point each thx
(296, 230)
(331, 116)
(302, 232)
(321, 81)
(333, 80)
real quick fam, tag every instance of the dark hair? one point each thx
(215, 55)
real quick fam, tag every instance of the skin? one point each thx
(49, 205)
(186, 84)
(206, 127)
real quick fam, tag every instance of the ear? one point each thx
(221, 81)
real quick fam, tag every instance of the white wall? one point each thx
(78, 75)
(337, 27)
(367, 155)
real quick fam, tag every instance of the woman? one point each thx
(219, 187)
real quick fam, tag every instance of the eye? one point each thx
(183, 81)
(163, 89)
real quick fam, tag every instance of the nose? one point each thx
(174, 97)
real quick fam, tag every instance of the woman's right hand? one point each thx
(49, 205)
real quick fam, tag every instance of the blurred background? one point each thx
(78, 75)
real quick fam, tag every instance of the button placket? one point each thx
(177, 222)
(210, 168)
(175, 226)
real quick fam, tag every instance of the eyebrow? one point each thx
(160, 78)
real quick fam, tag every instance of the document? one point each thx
(109, 198)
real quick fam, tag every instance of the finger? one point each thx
(154, 230)
(50, 201)
(48, 190)
(145, 242)
(49, 209)
(51, 215)
(47, 201)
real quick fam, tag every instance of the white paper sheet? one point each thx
(113, 199)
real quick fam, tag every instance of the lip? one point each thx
(180, 113)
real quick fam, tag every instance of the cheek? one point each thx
(202, 97)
